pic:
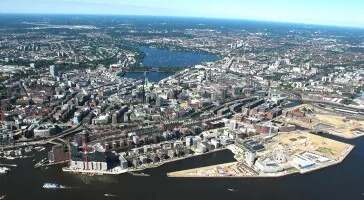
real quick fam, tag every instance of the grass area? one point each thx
(325, 150)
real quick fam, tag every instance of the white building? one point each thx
(267, 166)
(136, 139)
(250, 158)
(215, 142)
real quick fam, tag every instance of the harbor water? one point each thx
(342, 181)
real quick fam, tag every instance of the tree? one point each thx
(28, 134)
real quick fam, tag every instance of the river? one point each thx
(343, 181)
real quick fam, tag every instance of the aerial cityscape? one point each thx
(119, 106)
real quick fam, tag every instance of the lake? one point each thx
(152, 76)
(155, 57)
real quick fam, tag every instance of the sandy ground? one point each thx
(291, 144)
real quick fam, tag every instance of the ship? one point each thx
(53, 186)
(41, 163)
(4, 170)
(3, 197)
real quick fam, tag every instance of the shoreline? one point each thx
(117, 170)
(341, 158)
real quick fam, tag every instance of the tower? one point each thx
(145, 81)
(101, 92)
(53, 70)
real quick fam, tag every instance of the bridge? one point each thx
(76, 129)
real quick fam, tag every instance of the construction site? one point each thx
(277, 156)
(325, 120)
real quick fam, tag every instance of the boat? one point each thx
(39, 149)
(53, 186)
(41, 163)
(4, 170)
(231, 190)
(139, 174)
(3, 197)
(28, 149)
(110, 195)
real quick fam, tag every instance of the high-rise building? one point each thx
(53, 70)
(250, 158)
(159, 102)
(223, 93)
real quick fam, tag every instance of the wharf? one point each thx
(118, 170)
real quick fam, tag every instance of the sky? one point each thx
(326, 12)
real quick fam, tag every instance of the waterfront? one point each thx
(342, 181)
(152, 76)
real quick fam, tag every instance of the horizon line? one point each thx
(193, 17)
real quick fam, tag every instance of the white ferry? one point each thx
(4, 170)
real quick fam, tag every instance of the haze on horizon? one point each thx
(325, 12)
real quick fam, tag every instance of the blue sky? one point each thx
(329, 12)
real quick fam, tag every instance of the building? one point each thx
(45, 131)
(53, 70)
(214, 97)
(94, 159)
(267, 166)
(301, 162)
(102, 119)
(215, 142)
(189, 141)
(171, 153)
(159, 102)
(143, 159)
(232, 125)
(250, 158)
(253, 145)
(58, 154)
(6, 135)
(136, 140)
(202, 147)
(223, 111)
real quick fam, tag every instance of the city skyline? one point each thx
(324, 12)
